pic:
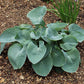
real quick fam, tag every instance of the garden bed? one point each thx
(12, 13)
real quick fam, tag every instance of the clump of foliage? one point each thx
(66, 10)
(47, 1)
(44, 46)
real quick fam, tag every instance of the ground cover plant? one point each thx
(66, 10)
(44, 46)
(48, 1)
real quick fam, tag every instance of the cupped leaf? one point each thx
(79, 36)
(36, 34)
(70, 42)
(63, 34)
(44, 35)
(58, 57)
(65, 31)
(53, 34)
(72, 60)
(37, 14)
(75, 28)
(48, 50)
(44, 66)
(9, 35)
(35, 53)
(2, 45)
(77, 32)
(58, 26)
(17, 55)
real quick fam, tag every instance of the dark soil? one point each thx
(12, 13)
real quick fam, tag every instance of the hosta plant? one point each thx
(44, 46)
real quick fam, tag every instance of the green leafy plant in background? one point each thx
(44, 46)
(66, 10)
(47, 1)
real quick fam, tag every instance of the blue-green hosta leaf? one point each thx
(37, 14)
(76, 28)
(53, 34)
(44, 66)
(36, 34)
(9, 35)
(48, 50)
(58, 57)
(35, 53)
(25, 26)
(64, 31)
(2, 45)
(77, 32)
(17, 55)
(79, 36)
(69, 42)
(72, 60)
(23, 36)
(44, 35)
(58, 26)
(63, 34)
(42, 23)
